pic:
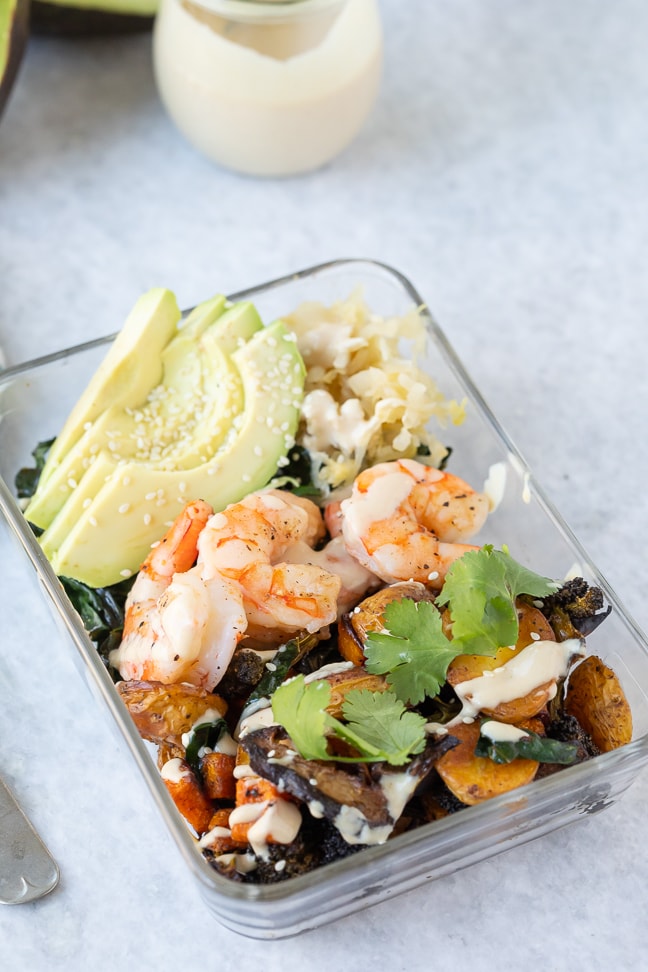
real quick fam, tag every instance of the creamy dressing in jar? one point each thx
(268, 88)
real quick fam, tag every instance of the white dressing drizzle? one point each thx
(501, 731)
(175, 770)
(495, 485)
(538, 663)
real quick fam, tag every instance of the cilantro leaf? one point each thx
(300, 707)
(481, 588)
(415, 654)
(379, 722)
(378, 726)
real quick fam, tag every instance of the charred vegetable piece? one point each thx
(244, 672)
(163, 713)
(286, 657)
(596, 699)
(576, 609)
(474, 778)
(353, 797)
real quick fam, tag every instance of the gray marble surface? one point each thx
(504, 170)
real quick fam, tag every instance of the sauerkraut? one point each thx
(365, 400)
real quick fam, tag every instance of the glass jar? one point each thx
(264, 87)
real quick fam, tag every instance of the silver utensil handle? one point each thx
(27, 869)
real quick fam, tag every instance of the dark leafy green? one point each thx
(101, 610)
(298, 473)
(205, 735)
(286, 657)
(27, 479)
(531, 746)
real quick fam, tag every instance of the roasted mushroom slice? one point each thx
(362, 800)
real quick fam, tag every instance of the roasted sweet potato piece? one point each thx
(473, 779)
(218, 838)
(187, 794)
(369, 616)
(251, 790)
(217, 771)
(162, 713)
(595, 697)
(533, 626)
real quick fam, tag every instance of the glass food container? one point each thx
(268, 88)
(35, 399)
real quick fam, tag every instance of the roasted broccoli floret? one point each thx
(576, 609)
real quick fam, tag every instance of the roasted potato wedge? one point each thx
(533, 626)
(473, 779)
(595, 697)
(355, 678)
(369, 616)
(162, 713)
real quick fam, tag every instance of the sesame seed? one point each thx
(147, 518)
(92, 521)
(124, 508)
(86, 503)
(72, 483)
(125, 572)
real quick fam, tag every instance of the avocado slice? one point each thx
(109, 538)
(131, 368)
(81, 18)
(14, 31)
(180, 423)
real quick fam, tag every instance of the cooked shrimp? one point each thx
(355, 580)
(404, 521)
(179, 625)
(247, 543)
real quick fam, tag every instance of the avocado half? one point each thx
(81, 18)
(14, 31)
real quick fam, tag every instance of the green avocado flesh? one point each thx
(83, 17)
(14, 30)
(209, 414)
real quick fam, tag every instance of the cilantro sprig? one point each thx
(376, 724)
(414, 653)
(480, 590)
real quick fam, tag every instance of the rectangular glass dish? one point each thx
(35, 399)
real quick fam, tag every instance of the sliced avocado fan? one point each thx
(214, 419)
(14, 31)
